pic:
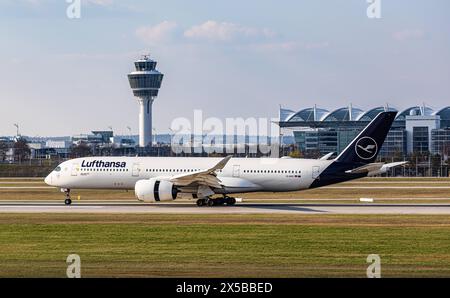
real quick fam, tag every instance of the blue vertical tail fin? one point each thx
(365, 147)
(361, 151)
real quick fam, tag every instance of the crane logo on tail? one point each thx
(366, 148)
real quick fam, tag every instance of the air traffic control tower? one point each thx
(145, 82)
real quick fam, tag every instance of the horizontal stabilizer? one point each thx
(326, 156)
(394, 164)
(371, 167)
(376, 168)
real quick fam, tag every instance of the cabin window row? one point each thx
(273, 171)
(103, 170)
(175, 170)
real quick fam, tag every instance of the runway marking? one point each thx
(21, 182)
(27, 187)
(326, 187)
(50, 206)
(249, 208)
(398, 182)
(386, 187)
(22, 178)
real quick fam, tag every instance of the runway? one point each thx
(241, 208)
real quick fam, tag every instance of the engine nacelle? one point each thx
(154, 190)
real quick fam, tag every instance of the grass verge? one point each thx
(133, 245)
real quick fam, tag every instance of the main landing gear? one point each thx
(67, 201)
(229, 201)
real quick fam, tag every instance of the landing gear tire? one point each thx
(230, 201)
(67, 201)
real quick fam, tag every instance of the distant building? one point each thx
(36, 145)
(9, 154)
(395, 143)
(106, 135)
(440, 141)
(57, 144)
(124, 142)
(416, 129)
(97, 138)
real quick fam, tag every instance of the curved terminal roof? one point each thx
(356, 114)
(372, 113)
(285, 114)
(444, 113)
(343, 114)
(308, 115)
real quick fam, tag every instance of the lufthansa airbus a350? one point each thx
(160, 179)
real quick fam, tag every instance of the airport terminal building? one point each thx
(417, 129)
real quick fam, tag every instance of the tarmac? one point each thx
(239, 208)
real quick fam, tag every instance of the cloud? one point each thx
(316, 45)
(279, 46)
(101, 2)
(408, 34)
(27, 2)
(96, 2)
(225, 32)
(159, 33)
(290, 46)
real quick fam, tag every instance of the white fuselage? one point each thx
(239, 174)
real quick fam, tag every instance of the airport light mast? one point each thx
(145, 82)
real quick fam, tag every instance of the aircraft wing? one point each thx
(206, 177)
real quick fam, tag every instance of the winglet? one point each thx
(203, 177)
(221, 164)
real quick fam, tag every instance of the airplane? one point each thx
(162, 179)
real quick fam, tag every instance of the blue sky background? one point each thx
(229, 58)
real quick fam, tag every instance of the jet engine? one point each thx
(154, 190)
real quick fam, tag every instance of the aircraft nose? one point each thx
(48, 179)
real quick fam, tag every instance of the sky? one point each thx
(235, 58)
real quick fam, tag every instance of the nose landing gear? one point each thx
(68, 200)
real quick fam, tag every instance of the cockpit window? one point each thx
(58, 169)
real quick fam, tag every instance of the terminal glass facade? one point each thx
(395, 144)
(440, 141)
(416, 129)
(420, 139)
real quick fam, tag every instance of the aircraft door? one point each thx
(136, 170)
(315, 172)
(236, 171)
(75, 169)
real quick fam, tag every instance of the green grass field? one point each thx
(36, 245)
(167, 245)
